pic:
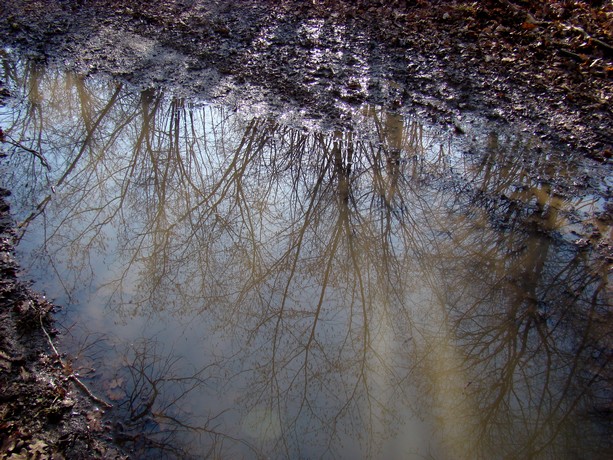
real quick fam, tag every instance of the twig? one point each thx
(86, 390)
(72, 375)
(42, 326)
(529, 17)
(592, 39)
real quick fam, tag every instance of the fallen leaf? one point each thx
(39, 447)
(116, 394)
(94, 421)
(24, 374)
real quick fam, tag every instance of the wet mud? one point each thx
(547, 67)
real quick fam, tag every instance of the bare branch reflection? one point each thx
(352, 290)
(159, 402)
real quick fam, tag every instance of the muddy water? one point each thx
(248, 288)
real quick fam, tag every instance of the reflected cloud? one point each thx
(339, 293)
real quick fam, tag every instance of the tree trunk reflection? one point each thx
(336, 287)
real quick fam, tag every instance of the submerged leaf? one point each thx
(116, 394)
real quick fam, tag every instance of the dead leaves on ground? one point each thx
(22, 446)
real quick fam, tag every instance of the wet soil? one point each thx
(42, 413)
(546, 67)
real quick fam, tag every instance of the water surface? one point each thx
(248, 288)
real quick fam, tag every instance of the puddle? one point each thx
(249, 288)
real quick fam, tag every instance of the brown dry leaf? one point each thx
(9, 444)
(528, 25)
(38, 449)
(67, 368)
(24, 374)
(94, 421)
(61, 391)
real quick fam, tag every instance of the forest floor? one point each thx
(546, 67)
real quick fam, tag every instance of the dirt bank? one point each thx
(547, 66)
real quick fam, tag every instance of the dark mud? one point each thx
(545, 67)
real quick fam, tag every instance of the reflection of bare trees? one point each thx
(534, 354)
(158, 406)
(347, 278)
(527, 333)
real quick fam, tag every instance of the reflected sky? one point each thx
(246, 288)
